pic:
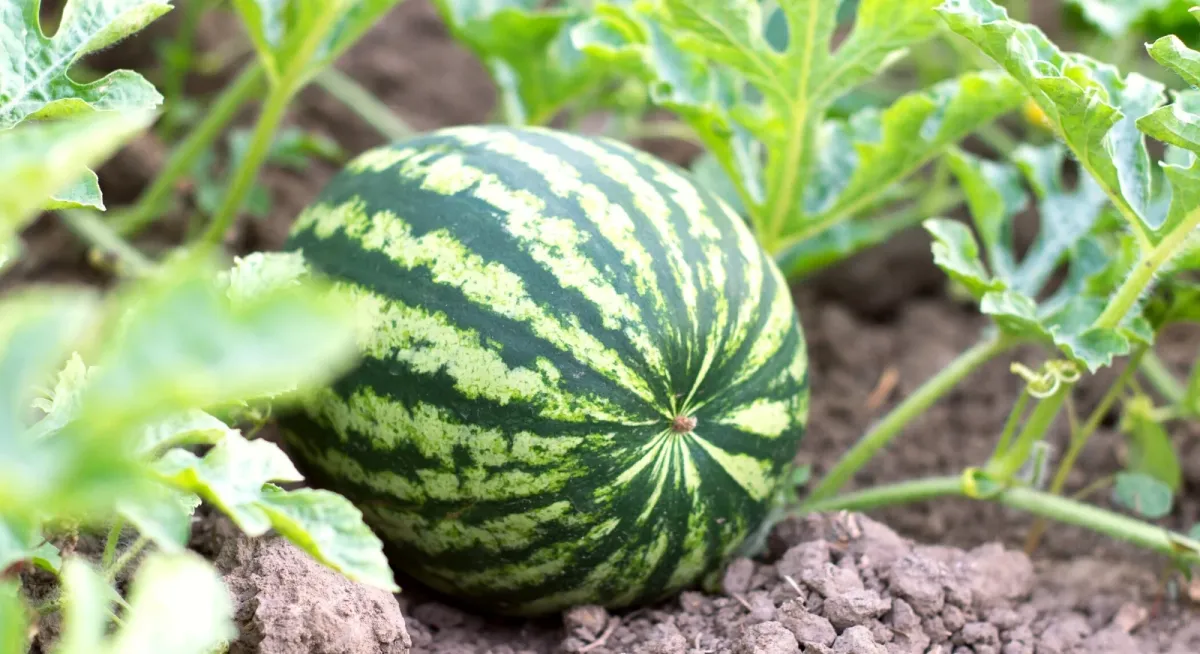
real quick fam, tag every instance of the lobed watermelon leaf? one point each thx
(1087, 103)
(177, 603)
(1007, 287)
(35, 82)
(235, 476)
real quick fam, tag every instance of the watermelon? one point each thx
(582, 379)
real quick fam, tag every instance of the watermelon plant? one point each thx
(1126, 234)
(544, 367)
(120, 410)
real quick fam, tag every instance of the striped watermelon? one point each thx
(584, 381)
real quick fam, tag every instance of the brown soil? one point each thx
(843, 584)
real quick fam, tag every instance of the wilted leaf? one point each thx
(331, 530)
(1143, 494)
(1087, 103)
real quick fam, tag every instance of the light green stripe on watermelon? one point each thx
(427, 342)
(540, 308)
(487, 283)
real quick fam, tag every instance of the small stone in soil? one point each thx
(855, 608)
(766, 638)
(857, 640)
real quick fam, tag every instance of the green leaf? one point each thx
(1116, 17)
(235, 477)
(908, 134)
(14, 619)
(191, 427)
(181, 344)
(18, 539)
(1068, 329)
(34, 81)
(260, 272)
(1143, 494)
(300, 37)
(162, 514)
(83, 194)
(86, 598)
(1151, 451)
(994, 197)
(1088, 103)
(231, 476)
(1066, 216)
(177, 603)
(39, 160)
(62, 472)
(956, 252)
(331, 530)
(61, 404)
(1171, 53)
(730, 33)
(535, 55)
(841, 241)
(1177, 123)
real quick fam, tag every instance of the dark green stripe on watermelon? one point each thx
(542, 307)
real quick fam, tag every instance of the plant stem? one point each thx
(1162, 379)
(1010, 425)
(1008, 462)
(887, 429)
(246, 173)
(88, 226)
(149, 205)
(110, 544)
(1190, 404)
(1037, 502)
(1079, 440)
(1143, 273)
(113, 571)
(364, 103)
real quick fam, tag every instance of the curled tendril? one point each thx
(1046, 381)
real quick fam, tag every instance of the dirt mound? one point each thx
(845, 584)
